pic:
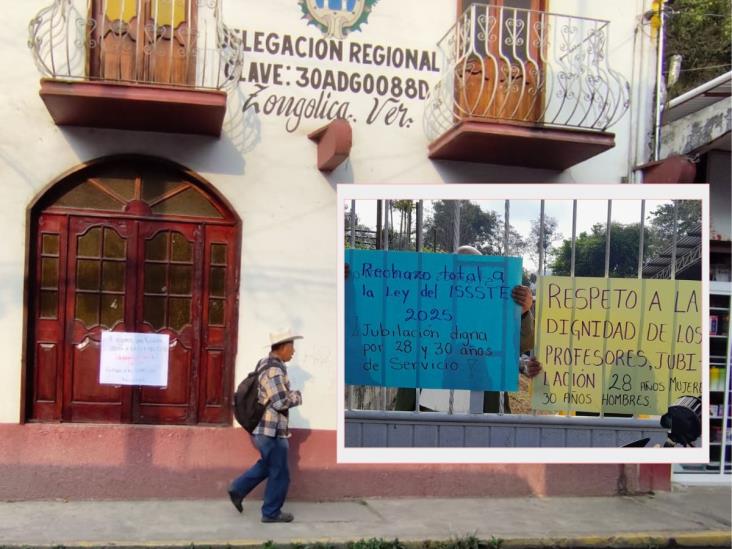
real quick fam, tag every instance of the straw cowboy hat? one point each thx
(282, 337)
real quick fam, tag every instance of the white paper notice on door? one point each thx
(134, 359)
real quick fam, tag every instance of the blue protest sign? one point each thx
(432, 320)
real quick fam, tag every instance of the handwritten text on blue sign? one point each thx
(432, 320)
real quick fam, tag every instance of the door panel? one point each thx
(47, 362)
(99, 272)
(502, 79)
(85, 365)
(145, 41)
(49, 287)
(219, 322)
(177, 392)
(168, 302)
(170, 35)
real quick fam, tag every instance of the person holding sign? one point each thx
(272, 434)
(438, 399)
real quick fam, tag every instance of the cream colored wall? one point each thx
(287, 206)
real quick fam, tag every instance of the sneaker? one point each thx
(282, 517)
(236, 500)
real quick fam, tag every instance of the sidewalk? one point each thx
(687, 517)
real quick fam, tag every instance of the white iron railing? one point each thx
(526, 66)
(182, 43)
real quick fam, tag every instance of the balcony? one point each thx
(151, 65)
(524, 88)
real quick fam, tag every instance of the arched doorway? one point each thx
(132, 244)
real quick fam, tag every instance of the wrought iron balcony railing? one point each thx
(509, 64)
(181, 43)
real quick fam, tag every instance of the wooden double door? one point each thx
(97, 273)
(152, 41)
(503, 77)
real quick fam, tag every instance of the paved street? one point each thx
(688, 516)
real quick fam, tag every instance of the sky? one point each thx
(522, 212)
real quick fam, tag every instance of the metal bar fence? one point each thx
(384, 208)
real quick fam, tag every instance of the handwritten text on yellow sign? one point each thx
(617, 345)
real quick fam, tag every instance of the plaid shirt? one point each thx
(274, 386)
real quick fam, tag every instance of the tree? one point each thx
(688, 216)
(477, 228)
(365, 235)
(403, 238)
(516, 244)
(700, 31)
(551, 236)
(624, 242)
(590, 252)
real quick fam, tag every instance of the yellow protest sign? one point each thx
(617, 345)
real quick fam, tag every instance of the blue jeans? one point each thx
(272, 466)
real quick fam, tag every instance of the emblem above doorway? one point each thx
(336, 18)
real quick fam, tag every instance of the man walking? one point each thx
(272, 434)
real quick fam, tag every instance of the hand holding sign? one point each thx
(522, 296)
(532, 367)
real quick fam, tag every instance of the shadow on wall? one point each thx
(343, 174)
(472, 172)
(128, 462)
(243, 128)
(299, 373)
(199, 153)
(241, 134)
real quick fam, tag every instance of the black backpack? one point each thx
(248, 411)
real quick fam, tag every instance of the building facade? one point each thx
(170, 166)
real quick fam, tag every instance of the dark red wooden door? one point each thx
(503, 75)
(218, 333)
(100, 276)
(48, 305)
(132, 245)
(133, 276)
(168, 302)
(144, 40)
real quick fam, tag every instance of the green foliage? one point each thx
(365, 237)
(495, 543)
(401, 238)
(688, 216)
(701, 31)
(551, 236)
(516, 244)
(624, 242)
(590, 252)
(477, 228)
(467, 542)
(375, 543)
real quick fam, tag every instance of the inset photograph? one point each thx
(516, 322)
